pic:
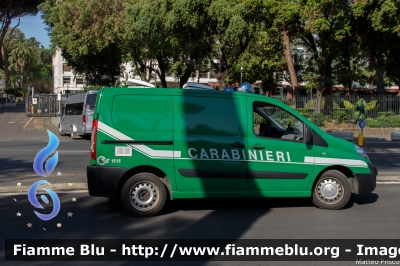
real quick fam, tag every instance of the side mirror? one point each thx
(308, 135)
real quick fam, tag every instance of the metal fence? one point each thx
(381, 111)
(41, 105)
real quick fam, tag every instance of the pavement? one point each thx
(372, 144)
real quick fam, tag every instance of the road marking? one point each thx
(27, 123)
(38, 124)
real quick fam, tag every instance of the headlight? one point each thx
(360, 151)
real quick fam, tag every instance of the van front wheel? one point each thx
(143, 195)
(332, 190)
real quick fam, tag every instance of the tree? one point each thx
(324, 27)
(148, 37)
(378, 29)
(286, 17)
(9, 10)
(21, 54)
(88, 32)
(27, 61)
(261, 60)
(230, 27)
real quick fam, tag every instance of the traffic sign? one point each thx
(361, 123)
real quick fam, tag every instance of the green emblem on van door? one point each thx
(101, 160)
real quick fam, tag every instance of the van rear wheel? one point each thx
(60, 131)
(143, 195)
(332, 190)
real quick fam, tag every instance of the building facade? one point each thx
(65, 80)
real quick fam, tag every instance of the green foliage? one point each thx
(258, 119)
(311, 104)
(304, 112)
(89, 33)
(383, 121)
(27, 62)
(354, 110)
(340, 116)
(319, 119)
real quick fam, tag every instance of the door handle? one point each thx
(258, 147)
(237, 145)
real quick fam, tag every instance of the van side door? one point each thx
(277, 151)
(210, 132)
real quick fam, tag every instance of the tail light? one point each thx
(83, 120)
(93, 140)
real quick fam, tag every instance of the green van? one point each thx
(152, 144)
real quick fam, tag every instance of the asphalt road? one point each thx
(17, 161)
(74, 155)
(371, 216)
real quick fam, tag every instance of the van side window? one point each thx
(74, 108)
(270, 121)
(209, 116)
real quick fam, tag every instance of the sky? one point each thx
(33, 26)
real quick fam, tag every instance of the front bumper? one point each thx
(104, 181)
(365, 183)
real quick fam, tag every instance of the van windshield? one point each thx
(91, 101)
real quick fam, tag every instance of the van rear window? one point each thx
(91, 101)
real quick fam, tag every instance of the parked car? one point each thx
(76, 119)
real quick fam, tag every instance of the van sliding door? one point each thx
(210, 134)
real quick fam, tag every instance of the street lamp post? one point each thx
(241, 73)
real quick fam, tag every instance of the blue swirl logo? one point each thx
(44, 153)
(32, 198)
(44, 169)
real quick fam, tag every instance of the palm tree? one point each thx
(20, 56)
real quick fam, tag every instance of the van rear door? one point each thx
(90, 105)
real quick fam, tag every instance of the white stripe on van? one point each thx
(138, 147)
(332, 161)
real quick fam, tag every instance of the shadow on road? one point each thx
(364, 199)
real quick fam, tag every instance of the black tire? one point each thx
(332, 191)
(74, 135)
(60, 131)
(147, 186)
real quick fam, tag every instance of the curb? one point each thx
(54, 187)
(83, 186)
(380, 150)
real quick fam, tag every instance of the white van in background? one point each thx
(77, 115)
